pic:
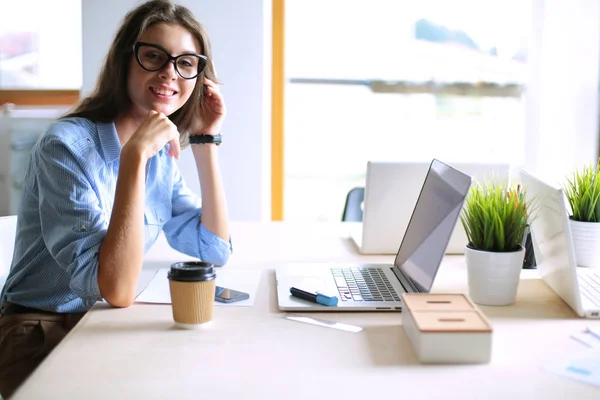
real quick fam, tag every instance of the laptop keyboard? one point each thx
(590, 287)
(363, 284)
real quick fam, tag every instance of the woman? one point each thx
(102, 183)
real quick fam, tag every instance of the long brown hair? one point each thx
(110, 98)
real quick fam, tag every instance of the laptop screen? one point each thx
(432, 223)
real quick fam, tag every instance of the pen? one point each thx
(594, 332)
(314, 297)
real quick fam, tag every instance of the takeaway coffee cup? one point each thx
(192, 286)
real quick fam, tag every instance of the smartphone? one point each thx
(225, 295)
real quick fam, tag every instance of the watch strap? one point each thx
(205, 138)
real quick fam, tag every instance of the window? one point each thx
(40, 45)
(391, 80)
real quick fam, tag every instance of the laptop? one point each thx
(379, 286)
(391, 190)
(554, 252)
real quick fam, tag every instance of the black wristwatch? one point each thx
(204, 138)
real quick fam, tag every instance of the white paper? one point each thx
(584, 367)
(243, 280)
(322, 322)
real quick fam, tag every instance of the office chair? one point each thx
(529, 260)
(353, 211)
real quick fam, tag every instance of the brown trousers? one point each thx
(25, 340)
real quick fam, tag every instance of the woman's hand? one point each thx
(152, 135)
(212, 111)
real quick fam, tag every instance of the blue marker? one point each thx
(315, 298)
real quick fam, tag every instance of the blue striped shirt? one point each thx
(65, 210)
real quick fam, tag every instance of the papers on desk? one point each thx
(244, 280)
(584, 366)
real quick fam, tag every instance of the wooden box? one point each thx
(446, 328)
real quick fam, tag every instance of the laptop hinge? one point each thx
(405, 281)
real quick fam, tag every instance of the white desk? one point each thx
(251, 353)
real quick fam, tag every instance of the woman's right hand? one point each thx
(152, 135)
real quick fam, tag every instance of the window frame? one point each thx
(279, 81)
(39, 97)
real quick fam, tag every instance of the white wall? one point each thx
(240, 36)
(562, 94)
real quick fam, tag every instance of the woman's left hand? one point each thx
(212, 110)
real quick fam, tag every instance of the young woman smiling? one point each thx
(102, 183)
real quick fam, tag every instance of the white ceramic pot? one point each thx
(493, 277)
(586, 241)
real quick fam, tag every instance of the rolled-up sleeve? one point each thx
(72, 222)
(185, 232)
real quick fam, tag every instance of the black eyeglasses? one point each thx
(153, 57)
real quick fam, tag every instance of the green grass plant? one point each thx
(583, 193)
(494, 217)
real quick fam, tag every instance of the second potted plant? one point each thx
(583, 194)
(495, 221)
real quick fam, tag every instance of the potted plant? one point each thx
(495, 221)
(583, 194)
